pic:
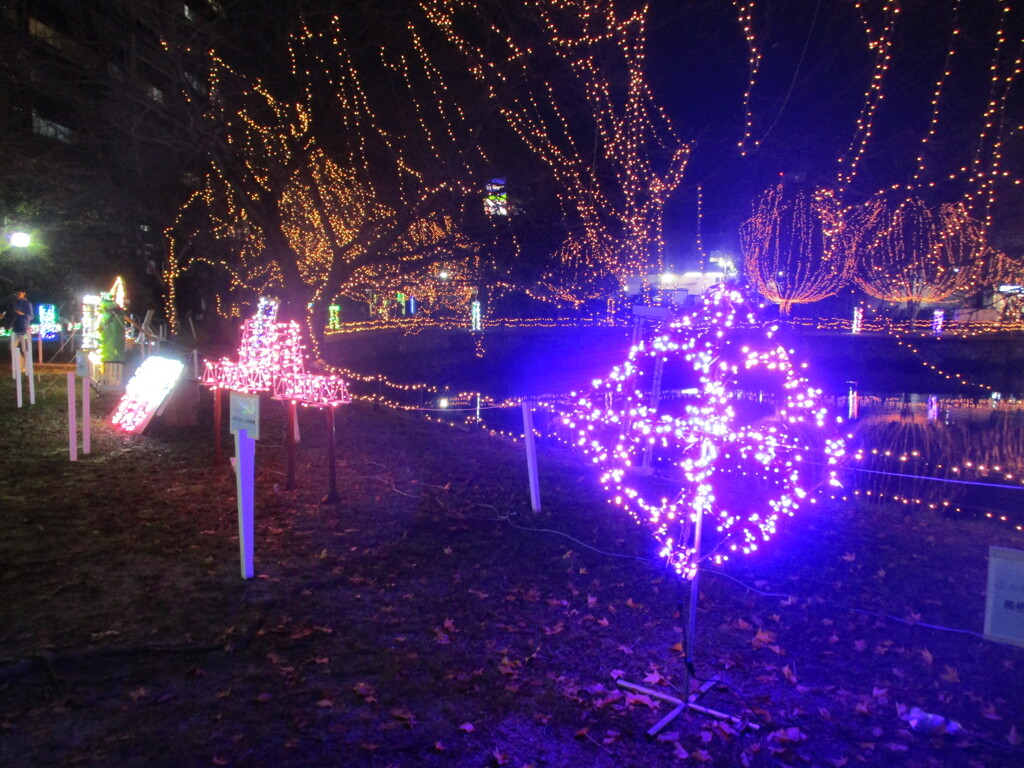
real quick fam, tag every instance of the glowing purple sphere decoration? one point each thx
(708, 421)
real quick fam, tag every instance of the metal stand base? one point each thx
(681, 705)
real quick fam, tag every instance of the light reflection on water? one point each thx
(954, 456)
(963, 457)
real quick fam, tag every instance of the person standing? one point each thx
(21, 324)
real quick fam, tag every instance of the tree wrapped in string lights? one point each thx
(314, 190)
(733, 435)
(613, 153)
(910, 251)
(794, 246)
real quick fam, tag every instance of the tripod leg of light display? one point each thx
(218, 427)
(86, 416)
(72, 419)
(292, 416)
(245, 461)
(531, 454)
(332, 474)
(690, 699)
(681, 706)
(691, 626)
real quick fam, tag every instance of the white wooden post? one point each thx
(72, 419)
(16, 365)
(29, 371)
(531, 454)
(244, 463)
(86, 416)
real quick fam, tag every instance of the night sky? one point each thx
(804, 106)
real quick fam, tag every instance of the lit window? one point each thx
(47, 34)
(52, 130)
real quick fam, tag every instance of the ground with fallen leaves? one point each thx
(431, 619)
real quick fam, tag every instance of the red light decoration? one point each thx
(312, 389)
(270, 360)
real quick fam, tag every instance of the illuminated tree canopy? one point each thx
(910, 251)
(313, 193)
(794, 251)
(614, 154)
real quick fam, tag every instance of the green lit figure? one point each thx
(110, 329)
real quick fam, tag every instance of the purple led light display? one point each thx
(710, 419)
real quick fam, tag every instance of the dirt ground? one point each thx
(431, 619)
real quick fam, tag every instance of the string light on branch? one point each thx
(611, 177)
(909, 251)
(745, 16)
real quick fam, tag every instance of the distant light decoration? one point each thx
(794, 249)
(90, 321)
(46, 321)
(117, 292)
(319, 207)
(738, 462)
(938, 317)
(495, 199)
(910, 251)
(475, 318)
(858, 320)
(92, 313)
(333, 317)
(146, 392)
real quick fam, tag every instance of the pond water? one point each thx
(933, 454)
(955, 456)
(950, 456)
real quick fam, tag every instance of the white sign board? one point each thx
(82, 367)
(1004, 604)
(245, 414)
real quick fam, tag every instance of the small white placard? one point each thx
(82, 367)
(1004, 604)
(245, 414)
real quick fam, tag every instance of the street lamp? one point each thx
(20, 239)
